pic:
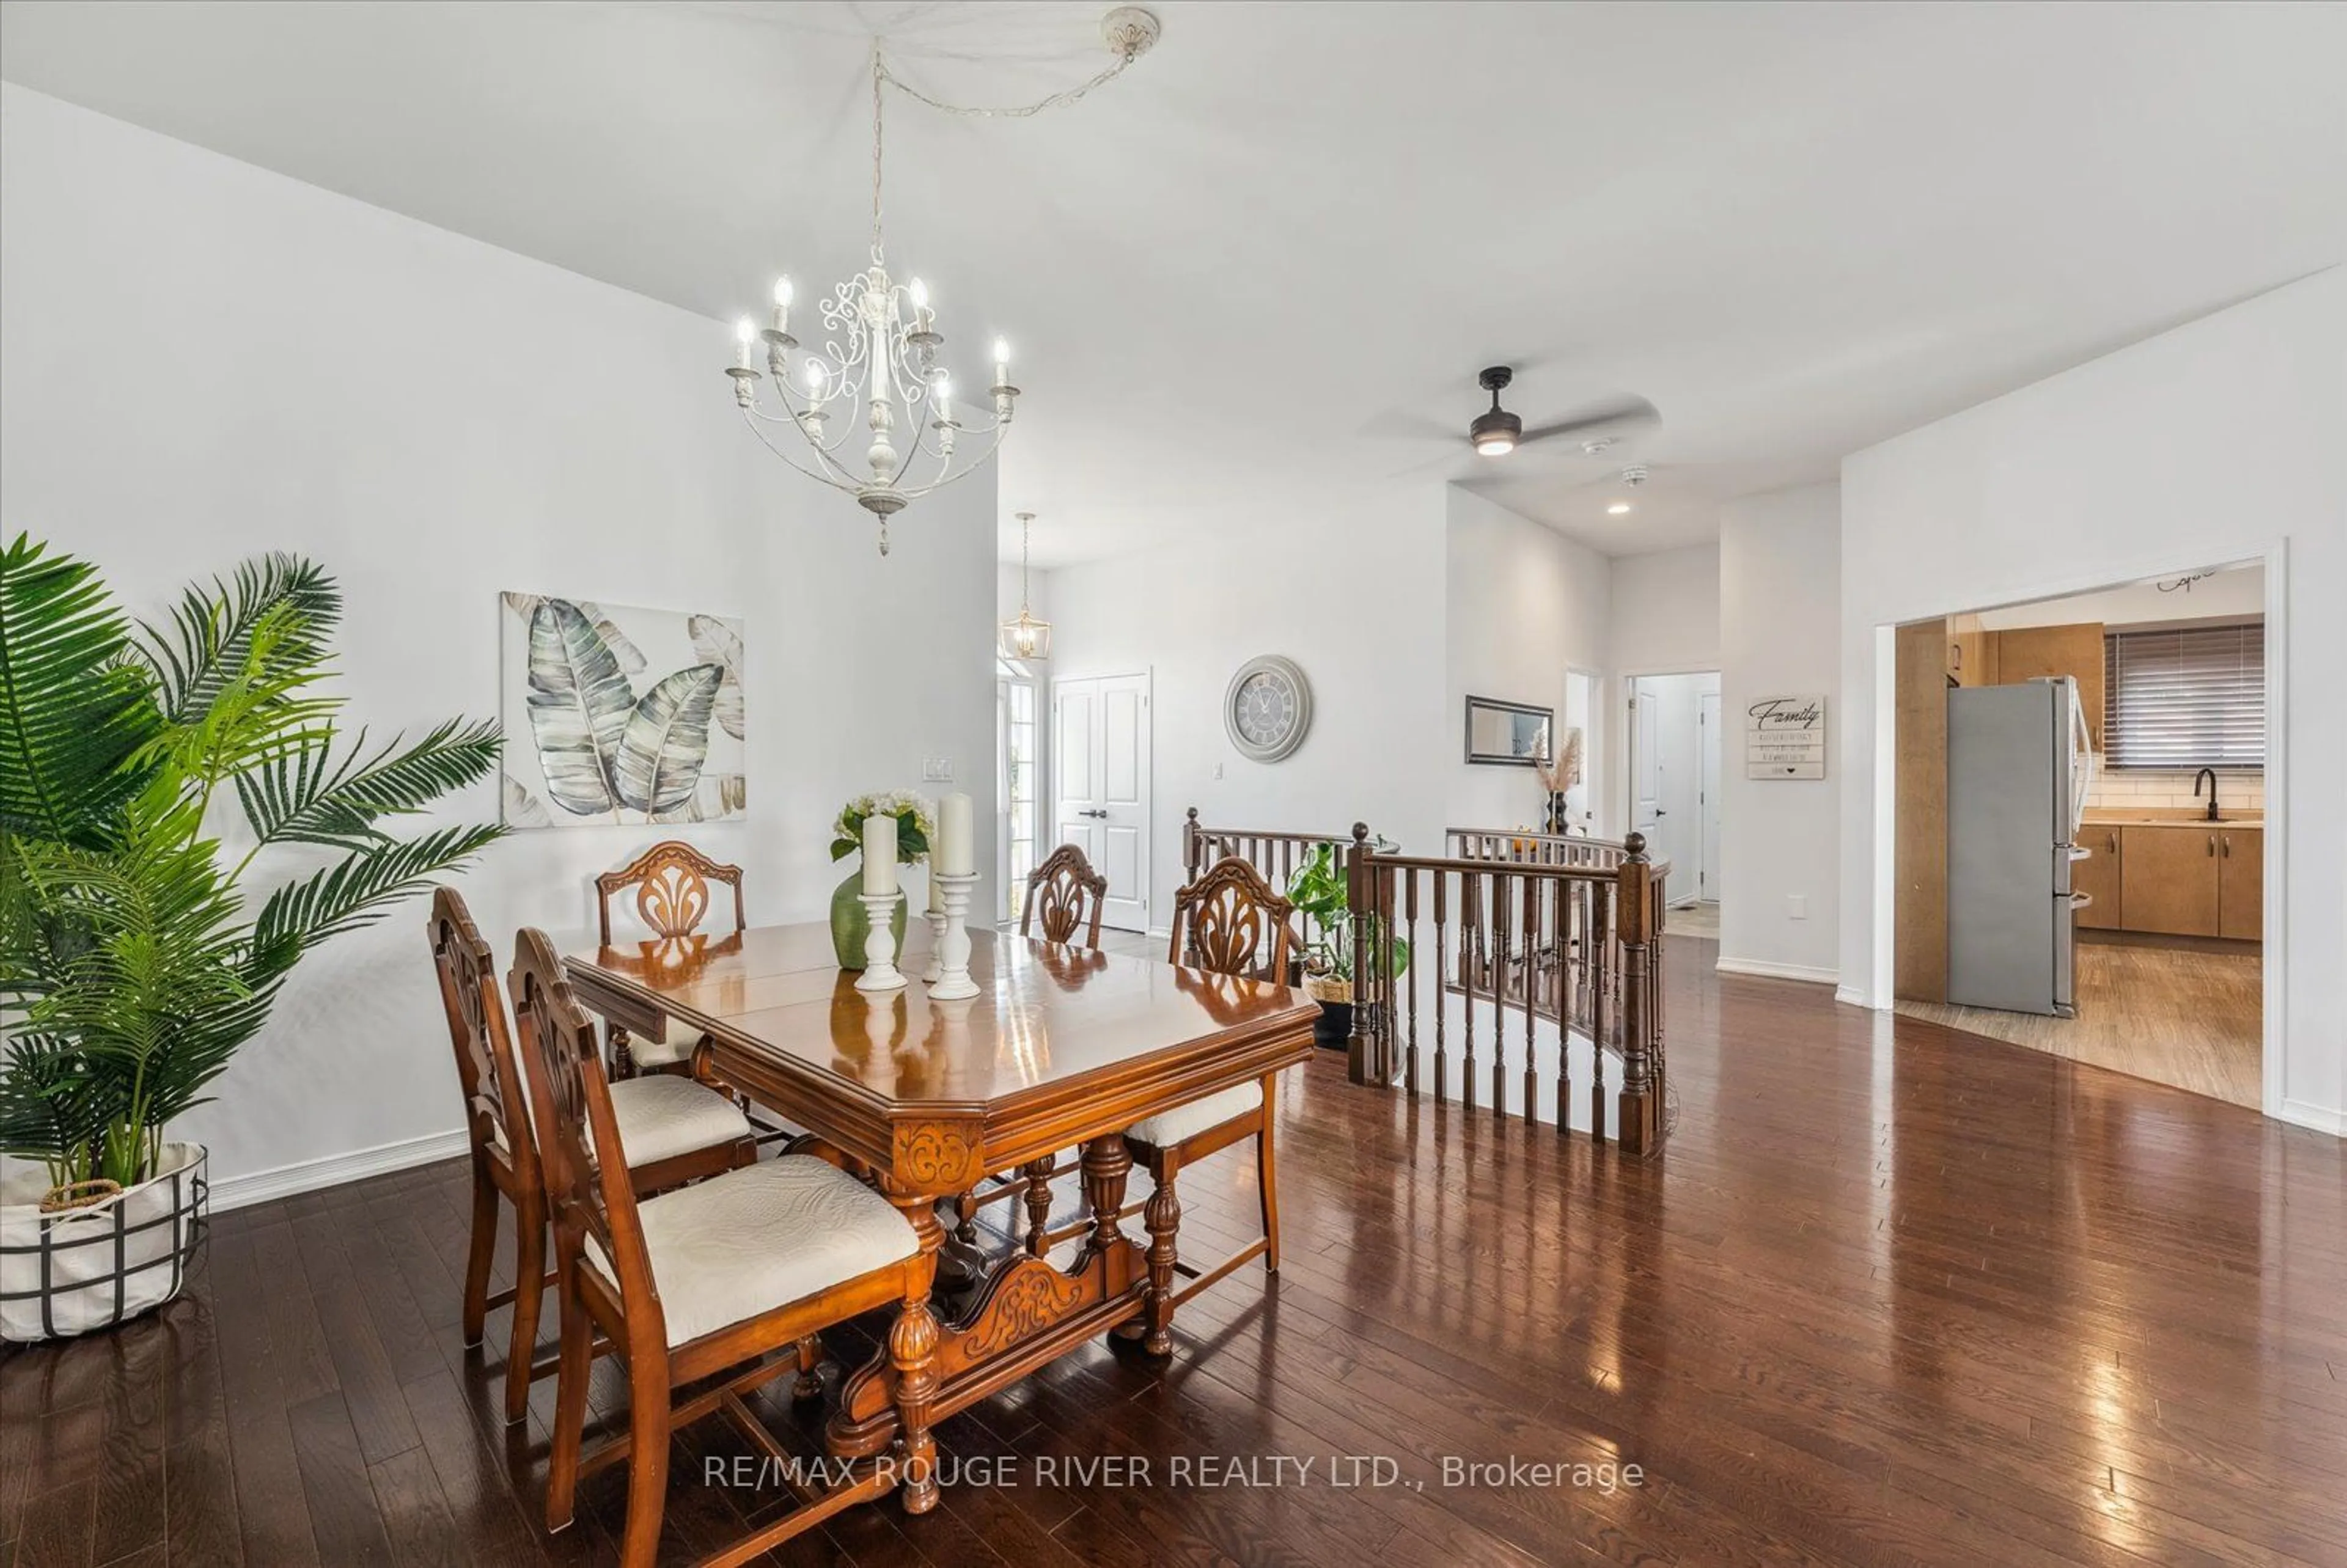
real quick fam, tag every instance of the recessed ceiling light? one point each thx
(1617, 508)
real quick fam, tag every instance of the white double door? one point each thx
(1099, 794)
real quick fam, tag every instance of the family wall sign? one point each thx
(1785, 738)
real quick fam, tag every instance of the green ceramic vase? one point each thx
(851, 922)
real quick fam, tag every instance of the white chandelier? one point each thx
(881, 351)
(1025, 638)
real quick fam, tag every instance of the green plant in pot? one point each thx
(917, 824)
(1317, 890)
(133, 964)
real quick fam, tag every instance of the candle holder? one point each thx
(953, 946)
(880, 971)
(936, 972)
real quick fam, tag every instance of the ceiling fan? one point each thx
(1496, 432)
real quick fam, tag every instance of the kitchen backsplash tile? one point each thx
(2137, 788)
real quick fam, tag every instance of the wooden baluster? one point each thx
(1503, 947)
(1598, 941)
(1359, 869)
(1387, 1031)
(1535, 984)
(1441, 880)
(1471, 943)
(1410, 908)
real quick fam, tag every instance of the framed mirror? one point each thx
(1507, 735)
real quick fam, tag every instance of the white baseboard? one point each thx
(2322, 1118)
(1851, 996)
(308, 1175)
(1776, 971)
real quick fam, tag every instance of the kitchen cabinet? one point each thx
(2241, 883)
(2167, 880)
(2030, 652)
(1971, 651)
(2097, 875)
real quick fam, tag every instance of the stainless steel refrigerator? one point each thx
(2019, 766)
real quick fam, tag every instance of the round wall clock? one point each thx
(1269, 708)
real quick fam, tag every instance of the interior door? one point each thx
(1101, 737)
(1707, 796)
(1646, 767)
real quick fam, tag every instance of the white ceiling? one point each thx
(1798, 228)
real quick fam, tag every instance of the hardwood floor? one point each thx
(1890, 1295)
(2188, 1017)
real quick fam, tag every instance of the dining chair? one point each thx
(1066, 896)
(671, 882)
(678, 1130)
(1230, 922)
(1060, 892)
(698, 1284)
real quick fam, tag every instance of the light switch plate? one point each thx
(1796, 906)
(937, 770)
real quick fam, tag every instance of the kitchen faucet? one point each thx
(2211, 775)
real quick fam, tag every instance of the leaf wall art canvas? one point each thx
(620, 716)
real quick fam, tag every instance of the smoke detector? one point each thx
(1636, 473)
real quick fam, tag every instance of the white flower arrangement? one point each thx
(917, 824)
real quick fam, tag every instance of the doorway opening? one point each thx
(2124, 925)
(1101, 787)
(1674, 766)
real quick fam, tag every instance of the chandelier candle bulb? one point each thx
(880, 857)
(745, 334)
(782, 305)
(957, 839)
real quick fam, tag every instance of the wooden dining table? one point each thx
(1062, 1047)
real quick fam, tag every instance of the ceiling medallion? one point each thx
(881, 346)
(1025, 638)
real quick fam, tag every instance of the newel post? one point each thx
(1633, 911)
(1360, 1064)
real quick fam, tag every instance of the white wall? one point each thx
(1665, 611)
(1779, 578)
(2209, 443)
(2236, 591)
(1521, 603)
(203, 361)
(1353, 595)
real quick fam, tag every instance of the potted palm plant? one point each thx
(1317, 890)
(133, 961)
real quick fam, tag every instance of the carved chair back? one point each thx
(1229, 921)
(588, 1196)
(1058, 893)
(671, 882)
(496, 1103)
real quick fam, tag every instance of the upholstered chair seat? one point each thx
(1186, 1122)
(749, 1241)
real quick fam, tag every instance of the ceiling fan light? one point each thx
(1619, 509)
(1496, 433)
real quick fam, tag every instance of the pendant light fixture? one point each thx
(891, 438)
(1025, 638)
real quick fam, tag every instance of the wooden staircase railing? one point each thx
(1276, 854)
(1562, 929)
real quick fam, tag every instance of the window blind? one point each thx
(2186, 697)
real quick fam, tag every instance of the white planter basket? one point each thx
(85, 1269)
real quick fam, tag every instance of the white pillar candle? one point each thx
(957, 848)
(879, 852)
(936, 891)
